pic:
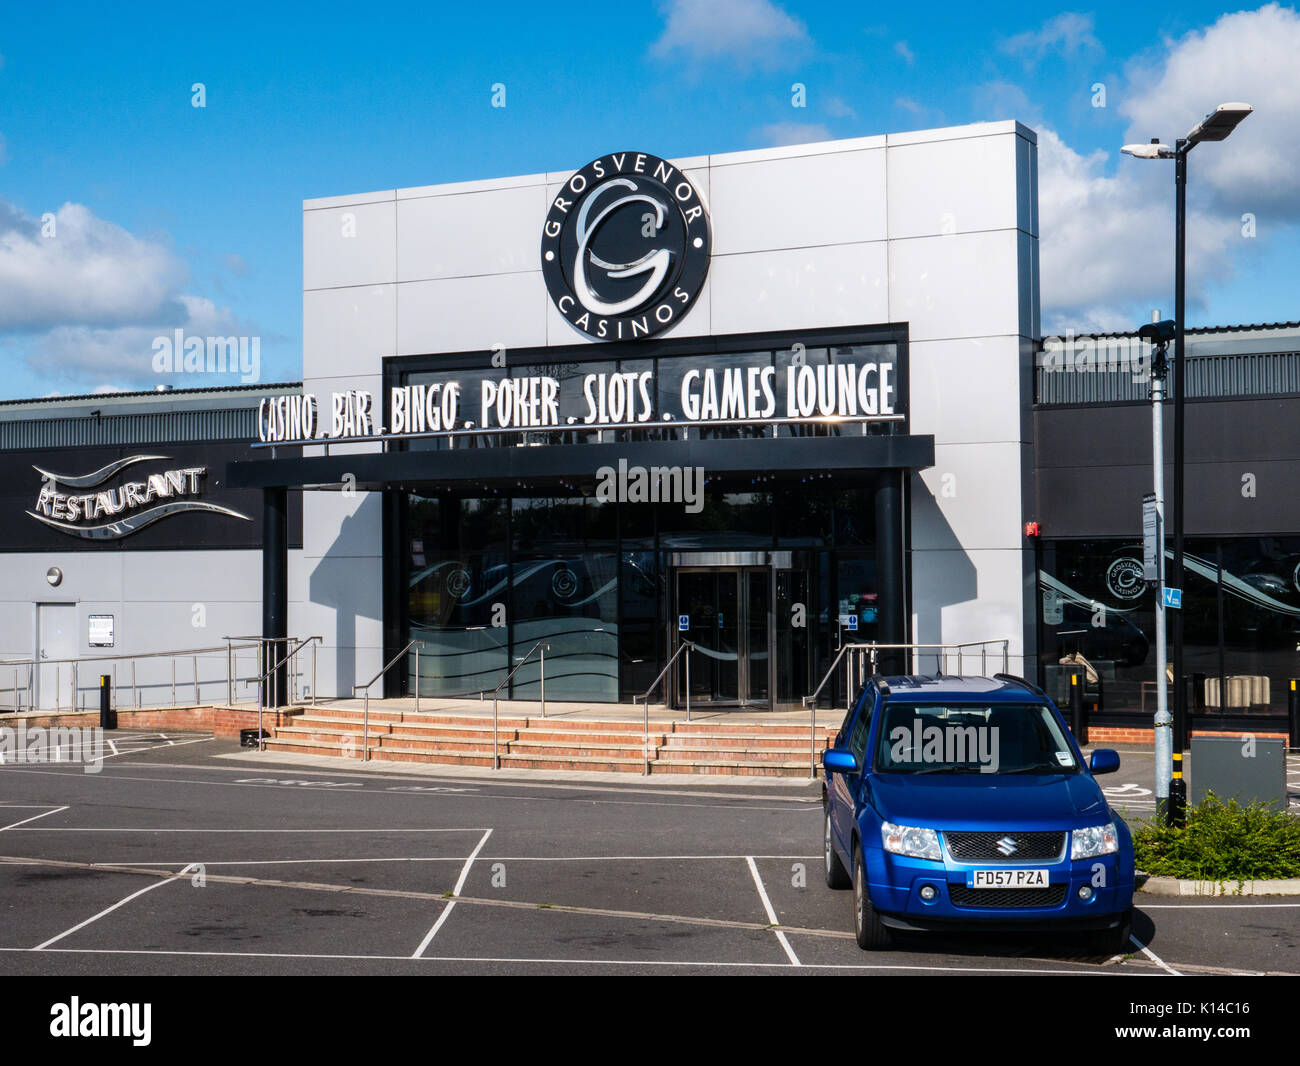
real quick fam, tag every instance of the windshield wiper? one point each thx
(1038, 766)
(945, 770)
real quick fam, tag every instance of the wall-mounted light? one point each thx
(54, 575)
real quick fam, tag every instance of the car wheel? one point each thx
(836, 875)
(871, 932)
(1114, 941)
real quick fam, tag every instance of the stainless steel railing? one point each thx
(687, 647)
(27, 687)
(860, 663)
(543, 646)
(365, 715)
(271, 678)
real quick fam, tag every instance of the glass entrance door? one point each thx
(725, 612)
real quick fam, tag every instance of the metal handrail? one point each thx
(685, 646)
(274, 672)
(31, 662)
(365, 717)
(872, 649)
(496, 754)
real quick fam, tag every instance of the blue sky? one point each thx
(171, 216)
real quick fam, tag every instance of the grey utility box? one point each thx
(1241, 768)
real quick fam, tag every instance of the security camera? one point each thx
(1158, 333)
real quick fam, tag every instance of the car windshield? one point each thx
(1004, 738)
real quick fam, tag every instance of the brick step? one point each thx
(745, 728)
(424, 718)
(347, 725)
(731, 755)
(601, 764)
(689, 740)
(767, 769)
(606, 763)
(577, 748)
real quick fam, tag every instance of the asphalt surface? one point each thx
(390, 870)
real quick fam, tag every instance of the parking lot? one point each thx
(185, 855)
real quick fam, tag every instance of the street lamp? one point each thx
(1216, 126)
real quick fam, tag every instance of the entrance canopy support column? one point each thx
(275, 593)
(891, 602)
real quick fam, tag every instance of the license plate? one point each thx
(1007, 879)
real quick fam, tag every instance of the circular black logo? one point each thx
(625, 246)
(1124, 579)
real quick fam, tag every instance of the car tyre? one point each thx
(1114, 941)
(836, 875)
(871, 932)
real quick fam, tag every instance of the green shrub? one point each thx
(1222, 842)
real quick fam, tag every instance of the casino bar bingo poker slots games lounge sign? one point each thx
(625, 246)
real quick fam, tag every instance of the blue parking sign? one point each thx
(683, 623)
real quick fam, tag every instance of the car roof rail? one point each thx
(882, 686)
(1018, 680)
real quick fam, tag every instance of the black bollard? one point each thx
(1293, 715)
(107, 719)
(1178, 795)
(1078, 726)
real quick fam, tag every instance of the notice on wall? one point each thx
(99, 630)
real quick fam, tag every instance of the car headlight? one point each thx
(910, 840)
(1095, 840)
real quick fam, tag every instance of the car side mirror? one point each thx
(840, 761)
(1104, 761)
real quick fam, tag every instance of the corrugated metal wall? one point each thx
(144, 428)
(1217, 376)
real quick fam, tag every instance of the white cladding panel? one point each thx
(934, 229)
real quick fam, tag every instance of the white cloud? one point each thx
(1106, 243)
(87, 271)
(1106, 224)
(747, 32)
(1004, 99)
(782, 133)
(1068, 34)
(82, 300)
(838, 107)
(904, 53)
(1246, 56)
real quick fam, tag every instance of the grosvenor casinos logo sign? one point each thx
(625, 246)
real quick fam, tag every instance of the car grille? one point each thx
(983, 847)
(1007, 898)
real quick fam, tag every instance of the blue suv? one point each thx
(965, 803)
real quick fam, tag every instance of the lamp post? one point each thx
(1216, 126)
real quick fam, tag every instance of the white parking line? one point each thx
(107, 910)
(1154, 957)
(15, 825)
(446, 911)
(456, 858)
(771, 914)
(659, 963)
(1192, 906)
(150, 829)
(805, 806)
